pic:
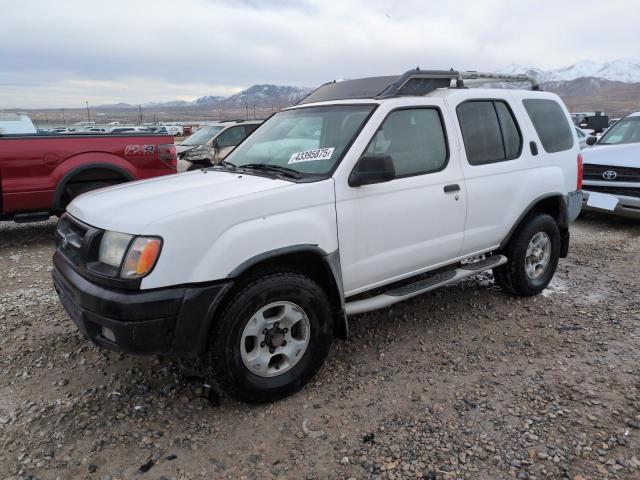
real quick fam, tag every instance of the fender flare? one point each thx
(88, 166)
(563, 220)
(332, 264)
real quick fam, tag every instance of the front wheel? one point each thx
(272, 337)
(533, 253)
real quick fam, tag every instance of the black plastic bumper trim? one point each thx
(168, 320)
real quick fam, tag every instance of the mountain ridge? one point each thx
(626, 70)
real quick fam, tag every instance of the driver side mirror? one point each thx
(592, 140)
(372, 169)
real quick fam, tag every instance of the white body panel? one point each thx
(500, 192)
(390, 230)
(624, 155)
(212, 221)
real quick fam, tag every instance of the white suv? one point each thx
(366, 193)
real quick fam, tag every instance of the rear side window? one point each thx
(550, 123)
(231, 137)
(415, 140)
(489, 131)
(250, 128)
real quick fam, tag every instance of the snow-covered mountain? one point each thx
(625, 70)
(266, 96)
(207, 101)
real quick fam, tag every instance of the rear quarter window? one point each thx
(550, 123)
(489, 131)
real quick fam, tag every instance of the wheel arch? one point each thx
(554, 204)
(86, 169)
(309, 260)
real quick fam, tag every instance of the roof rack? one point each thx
(412, 82)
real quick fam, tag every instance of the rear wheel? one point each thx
(73, 190)
(272, 337)
(532, 256)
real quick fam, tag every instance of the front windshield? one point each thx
(202, 136)
(309, 140)
(624, 131)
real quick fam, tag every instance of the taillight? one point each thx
(579, 183)
(167, 153)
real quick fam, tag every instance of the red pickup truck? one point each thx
(41, 174)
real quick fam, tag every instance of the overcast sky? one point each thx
(61, 53)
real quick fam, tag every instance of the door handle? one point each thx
(454, 187)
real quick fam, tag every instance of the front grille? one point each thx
(622, 174)
(70, 239)
(613, 190)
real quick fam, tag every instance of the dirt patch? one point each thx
(464, 382)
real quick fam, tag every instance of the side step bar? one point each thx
(31, 217)
(424, 285)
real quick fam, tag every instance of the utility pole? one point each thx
(246, 108)
(140, 108)
(64, 121)
(88, 115)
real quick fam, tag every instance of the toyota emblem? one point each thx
(609, 175)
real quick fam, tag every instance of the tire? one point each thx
(232, 337)
(521, 275)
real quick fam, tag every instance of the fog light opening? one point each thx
(108, 334)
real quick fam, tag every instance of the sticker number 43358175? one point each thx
(311, 155)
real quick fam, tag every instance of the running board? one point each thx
(424, 285)
(31, 217)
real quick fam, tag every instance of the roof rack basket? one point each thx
(413, 82)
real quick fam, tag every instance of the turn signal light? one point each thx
(141, 257)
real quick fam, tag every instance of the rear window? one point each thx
(550, 123)
(489, 131)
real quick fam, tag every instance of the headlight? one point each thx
(113, 247)
(198, 152)
(137, 255)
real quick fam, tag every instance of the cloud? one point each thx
(61, 54)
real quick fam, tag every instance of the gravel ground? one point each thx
(465, 382)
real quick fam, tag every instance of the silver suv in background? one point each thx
(212, 143)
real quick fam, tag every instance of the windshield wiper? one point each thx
(225, 165)
(268, 167)
(229, 165)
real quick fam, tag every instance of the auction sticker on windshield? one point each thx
(311, 155)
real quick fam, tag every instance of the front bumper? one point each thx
(168, 320)
(628, 207)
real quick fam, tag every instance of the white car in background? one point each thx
(612, 170)
(13, 123)
(175, 130)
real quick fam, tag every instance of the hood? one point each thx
(625, 155)
(185, 148)
(130, 207)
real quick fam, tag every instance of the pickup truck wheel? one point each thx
(532, 255)
(272, 337)
(72, 191)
